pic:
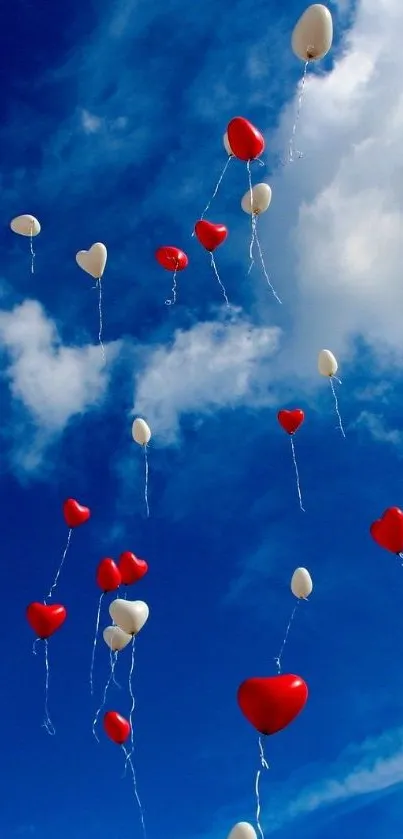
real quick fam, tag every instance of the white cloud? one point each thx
(208, 367)
(52, 382)
(347, 242)
(90, 123)
(376, 426)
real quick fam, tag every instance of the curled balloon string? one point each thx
(146, 480)
(266, 276)
(291, 147)
(214, 267)
(172, 301)
(130, 762)
(101, 322)
(263, 765)
(133, 701)
(285, 639)
(217, 187)
(53, 586)
(95, 643)
(47, 722)
(95, 720)
(253, 218)
(296, 474)
(31, 244)
(111, 654)
(336, 404)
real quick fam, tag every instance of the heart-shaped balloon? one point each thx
(172, 259)
(290, 421)
(246, 142)
(115, 638)
(74, 513)
(210, 235)
(242, 830)
(388, 530)
(108, 575)
(271, 703)
(117, 727)
(131, 568)
(25, 225)
(130, 615)
(94, 260)
(45, 619)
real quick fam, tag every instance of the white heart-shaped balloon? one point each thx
(141, 432)
(327, 363)
(130, 615)
(25, 225)
(226, 144)
(261, 198)
(301, 583)
(116, 638)
(94, 260)
(242, 830)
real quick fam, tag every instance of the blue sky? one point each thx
(113, 116)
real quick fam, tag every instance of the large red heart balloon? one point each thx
(116, 727)
(74, 513)
(246, 142)
(388, 530)
(290, 421)
(45, 619)
(109, 577)
(210, 235)
(131, 568)
(272, 703)
(172, 259)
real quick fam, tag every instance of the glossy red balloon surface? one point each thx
(131, 568)
(74, 513)
(210, 235)
(246, 142)
(108, 575)
(388, 530)
(172, 259)
(116, 727)
(45, 619)
(290, 421)
(271, 703)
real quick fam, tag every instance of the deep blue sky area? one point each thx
(113, 114)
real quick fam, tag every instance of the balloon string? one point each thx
(217, 187)
(172, 301)
(146, 480)
(291, 148)
(104, 697)
(263, 765)
(266, 276)
(101, 322)
(131, 694)
(130, 762)
(47, 722)
(53, 586)
(214, 267)
(32, 248)
(111, 652)
(337, 406)
(280, 655)
(253, 218)
(296, 474)
(95, 643)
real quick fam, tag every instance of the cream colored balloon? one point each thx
(242, 830)
(129, 615)
(116, 638)
(226, 144)
(141, 432)
(312, 36)
(327, 364)
(261, 198)
(94, 260)
(301, 583)
(25, 225)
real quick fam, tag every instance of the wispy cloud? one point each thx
(376, 425)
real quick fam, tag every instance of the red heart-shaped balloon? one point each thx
(290, 421)
(246, 142)
(131, 568)
(74, 513)
(116, 727)
(108, 576)
(45, 619)
(210, 235)
(388, 530)
(172, 259)
(271, 703)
